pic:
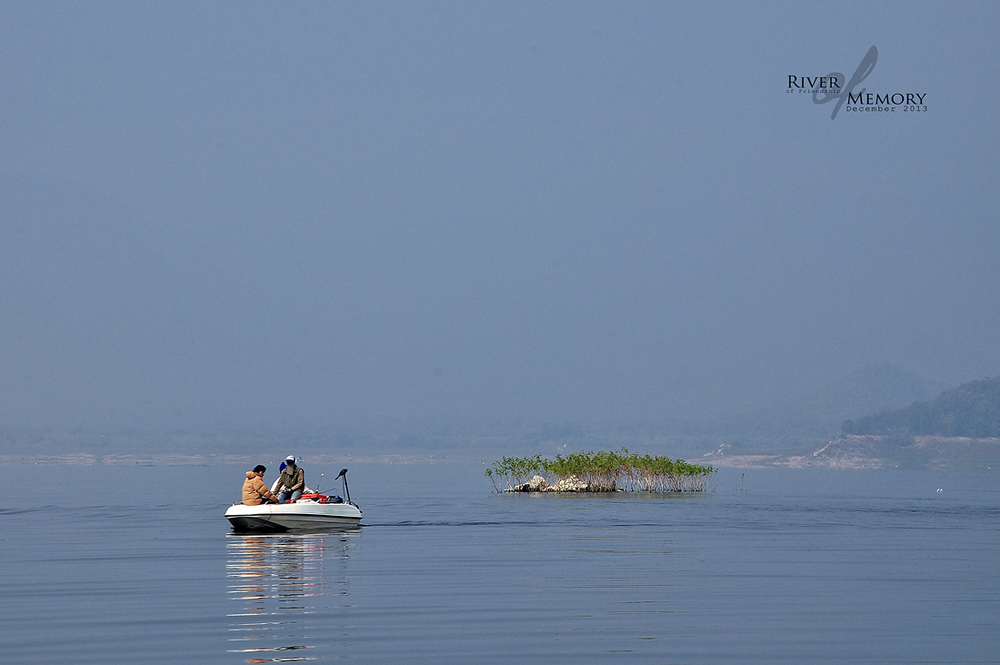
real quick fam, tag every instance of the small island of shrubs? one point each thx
(613, 471)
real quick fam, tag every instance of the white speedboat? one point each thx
(312, 511)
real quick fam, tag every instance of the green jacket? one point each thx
(292, 480)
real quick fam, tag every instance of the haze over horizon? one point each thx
(261, 215)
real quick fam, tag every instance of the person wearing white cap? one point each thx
(292, 481)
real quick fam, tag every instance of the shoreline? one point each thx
(234, 459)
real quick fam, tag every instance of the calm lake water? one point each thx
(136, 564)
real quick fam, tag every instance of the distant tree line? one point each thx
(970, 410)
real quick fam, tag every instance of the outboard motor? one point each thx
(347, 492)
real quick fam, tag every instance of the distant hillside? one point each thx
(820, 415)
(876, 451)
(970, 410)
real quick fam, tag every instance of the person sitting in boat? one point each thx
(255, 492)
(292, 481)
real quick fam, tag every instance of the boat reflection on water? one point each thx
(287, 586)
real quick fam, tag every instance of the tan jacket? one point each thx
(254, 490)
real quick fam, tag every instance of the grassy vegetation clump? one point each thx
(603, 472)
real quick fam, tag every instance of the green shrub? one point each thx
(604, 472)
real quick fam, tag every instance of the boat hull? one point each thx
(298, 516)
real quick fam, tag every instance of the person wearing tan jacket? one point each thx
(255, 491)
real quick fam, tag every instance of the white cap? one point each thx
(290, 458)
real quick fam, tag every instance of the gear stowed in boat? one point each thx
(311, 511)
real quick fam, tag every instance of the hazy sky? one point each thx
(267, 214)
